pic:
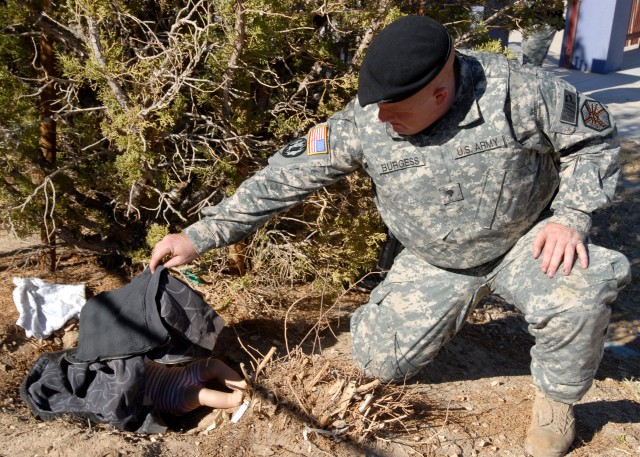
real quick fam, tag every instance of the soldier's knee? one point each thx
(372, 354)
(609, 275)
(587, 290)
(622, 269)
(382, 357)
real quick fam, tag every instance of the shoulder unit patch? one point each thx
(294, 149)
(317, 141)
(595, 116)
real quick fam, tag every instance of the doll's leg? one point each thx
(214, 369)
(203, 396)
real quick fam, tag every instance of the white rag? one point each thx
(45, 308)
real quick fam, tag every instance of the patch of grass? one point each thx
(633, 387)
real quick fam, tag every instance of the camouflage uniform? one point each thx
(518, 149)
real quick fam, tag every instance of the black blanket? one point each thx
(156, 316)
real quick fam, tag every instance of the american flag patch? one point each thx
(317, 141)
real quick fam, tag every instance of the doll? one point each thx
(181, 389)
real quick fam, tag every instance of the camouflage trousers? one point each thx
(419, 307)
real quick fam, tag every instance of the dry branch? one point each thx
(264, 362)
(60, 33)
(93, 36)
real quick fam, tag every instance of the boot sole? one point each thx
(529, 450)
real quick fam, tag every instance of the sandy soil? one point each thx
(474, 400)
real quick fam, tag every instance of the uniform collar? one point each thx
(466, 94)
(465, 110)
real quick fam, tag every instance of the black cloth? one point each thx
(122, 322)
(156, 316)
(142, 316)
(110, 392)
(402, 59)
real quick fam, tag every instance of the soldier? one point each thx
(488, 173)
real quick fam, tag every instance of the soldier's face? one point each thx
(414, 114)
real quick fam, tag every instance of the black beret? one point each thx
(402, 59)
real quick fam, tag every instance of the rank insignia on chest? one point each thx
(450, 193)
(317, 141)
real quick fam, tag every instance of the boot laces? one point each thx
(554, 415)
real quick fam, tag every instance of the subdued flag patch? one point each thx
(317, 141)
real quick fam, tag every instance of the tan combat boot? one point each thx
(552, 428)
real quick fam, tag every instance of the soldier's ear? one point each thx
(441, 95)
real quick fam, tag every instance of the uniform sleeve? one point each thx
(582, 135)
(326, 154)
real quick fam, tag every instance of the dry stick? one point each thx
(96, 47)
(406, 444)
(264, 362)
(395, 419)
(364, 387)
(460, 41)
(244, 373)
(323, 316)
(436, 434)
(368, 36)
(336, 389)
(286, 317)
(345, 399)
(364, 407)
(317, 377)
(293, 391)
(244, 348)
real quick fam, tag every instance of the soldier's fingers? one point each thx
(547, 255)
(569, 256)
(154, 261)
(583, 255)
(556, 260)
(173, 262)
(159, 253)
(538, 243)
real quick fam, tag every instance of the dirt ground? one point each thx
(308, 399)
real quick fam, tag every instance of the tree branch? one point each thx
(240, 38)
(60, 33)
(368, 36)
(96, 48)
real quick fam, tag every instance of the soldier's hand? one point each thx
(560, 245)
(177, 247)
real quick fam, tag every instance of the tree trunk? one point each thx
(47, 134)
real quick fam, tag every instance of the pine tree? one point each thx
(122, 119)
